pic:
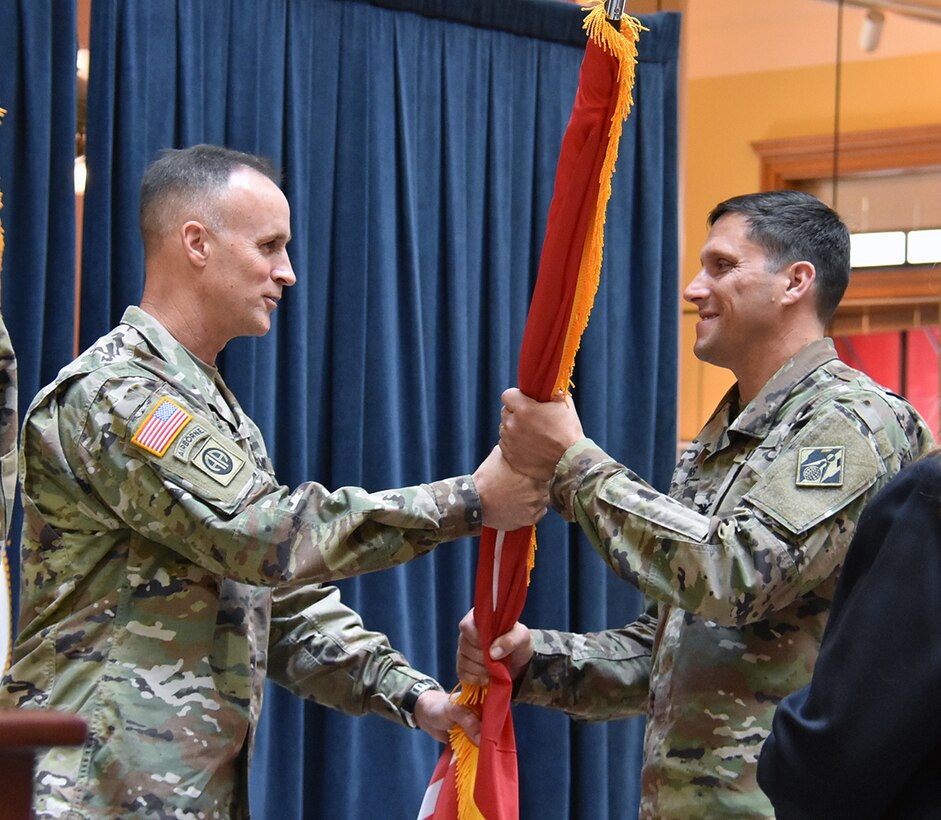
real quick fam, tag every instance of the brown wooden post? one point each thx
(22, 733)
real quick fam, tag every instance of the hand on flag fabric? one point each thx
(534, 435)
(516, 646)
(436, 714)
(510, 500)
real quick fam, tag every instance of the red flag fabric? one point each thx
(486, 777)
(441, 795)
(7, 447)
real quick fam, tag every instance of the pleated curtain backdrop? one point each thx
(419, 142)
(37, 154)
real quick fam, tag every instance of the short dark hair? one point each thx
(190, 177)
(793, 226)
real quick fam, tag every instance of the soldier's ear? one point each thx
(801, 277)
(195, 240)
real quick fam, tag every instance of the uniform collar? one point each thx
(191, 370)
(759, 415)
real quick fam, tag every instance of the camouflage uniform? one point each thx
(8, 431)
(150, 546)
(742, 558)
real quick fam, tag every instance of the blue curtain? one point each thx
(419, 142)
(37, 154)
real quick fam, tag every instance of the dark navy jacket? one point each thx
(863, 739)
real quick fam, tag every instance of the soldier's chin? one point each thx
(261, 327)
(701, 352)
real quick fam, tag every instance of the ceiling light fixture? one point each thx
(871, 32)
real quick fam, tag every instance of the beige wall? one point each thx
(725, 114)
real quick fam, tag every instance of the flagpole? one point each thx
(614, 10)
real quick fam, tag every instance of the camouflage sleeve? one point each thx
(8, 429)
(772, 542)
(319, 649)
(201, 495)
(593, 676)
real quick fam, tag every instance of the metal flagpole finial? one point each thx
(614, 9)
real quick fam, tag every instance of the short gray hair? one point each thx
(190, 179)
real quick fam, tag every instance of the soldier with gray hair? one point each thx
(164, 568)
(740, 559)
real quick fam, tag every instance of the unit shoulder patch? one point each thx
(192, 452)
(820, 466)
(219, 462)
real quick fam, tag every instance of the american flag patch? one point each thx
(159, 429)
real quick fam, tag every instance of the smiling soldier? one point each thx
(740, 558)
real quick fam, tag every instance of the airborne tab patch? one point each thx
(820, 467)
(193, 436)
(162, 425)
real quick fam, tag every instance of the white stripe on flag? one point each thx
(430, 801)
(497, 555)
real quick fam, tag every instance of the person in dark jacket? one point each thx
(863, 738)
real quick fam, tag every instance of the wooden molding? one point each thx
(884, 298)
(785, 162)
(889, 299)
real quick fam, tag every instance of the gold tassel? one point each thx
(465, 754)
(623, 46)
(531, 555)
(465, 774)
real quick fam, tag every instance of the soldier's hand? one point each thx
(517, 645)
(435, 713)
(510, 499)
(535, 434)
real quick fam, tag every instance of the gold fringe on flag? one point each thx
(466, 753)
(622, 45)
(465, 774)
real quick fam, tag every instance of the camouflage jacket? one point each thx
(8, 431)
(742, 558)
(154, 534)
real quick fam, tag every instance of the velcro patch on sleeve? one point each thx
(186, 450)
(829, 464)
(161, 426)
